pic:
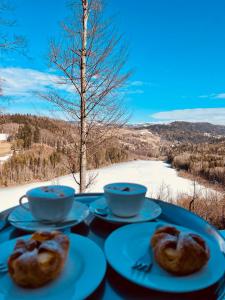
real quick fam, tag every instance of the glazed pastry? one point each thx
(38, 260)
(178, 252)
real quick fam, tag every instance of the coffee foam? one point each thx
(51, 192)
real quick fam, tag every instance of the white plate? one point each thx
(149, 211)
(78, 213)
(83, 272)
(128, 243)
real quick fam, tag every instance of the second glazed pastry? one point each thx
(179, 252)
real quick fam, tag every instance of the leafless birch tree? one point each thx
(89, 59)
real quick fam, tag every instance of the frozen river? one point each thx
(161, 180)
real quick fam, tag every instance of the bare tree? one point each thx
(194, 195)
(9, 42)
(89, 59)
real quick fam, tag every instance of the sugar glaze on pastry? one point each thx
(178, 252)
(40, 259)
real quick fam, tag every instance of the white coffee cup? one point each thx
(51, 203)
(125, 199)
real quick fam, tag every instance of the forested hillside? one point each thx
(43, 148)
(196, 148)
(205, 160)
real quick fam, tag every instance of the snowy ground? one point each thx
(4, 158)
(159, 178)
(3, 136)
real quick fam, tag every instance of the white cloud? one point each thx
(136, 91)
(205, 96)
(211, 115)
(220, 96)
(135, 87)
(214, 96)
(18, 82)
(23, 82)
(137, 83)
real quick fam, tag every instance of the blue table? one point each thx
(115, 287)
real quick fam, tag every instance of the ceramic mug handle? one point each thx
(22, 204)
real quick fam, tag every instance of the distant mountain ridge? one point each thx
(195, 126)
(197, 132)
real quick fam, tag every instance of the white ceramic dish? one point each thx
(128, 243)
(78, 213)
(125, 199)
(149, 211)
(82, 274)
(52, 202)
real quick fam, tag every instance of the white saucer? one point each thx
(83, 272)
(149, 211)
(78, 213)
(128, 243)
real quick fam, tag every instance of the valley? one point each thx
(38, 151)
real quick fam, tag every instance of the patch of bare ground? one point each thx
(141, 144)
(5, 148)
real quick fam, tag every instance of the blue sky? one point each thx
(177, 51)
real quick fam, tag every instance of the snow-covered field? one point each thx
(4, 158)
(3, 136)
(159, 178)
